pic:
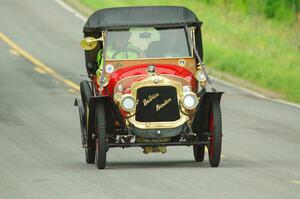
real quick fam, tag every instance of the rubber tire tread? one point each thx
(199, 153)
(100, 130)
(216, 157)
(86, 94)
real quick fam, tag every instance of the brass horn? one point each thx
(89, 43)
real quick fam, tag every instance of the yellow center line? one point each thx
(71, 90)
(12, 51)
(296, 182)
(43, 69)
(37, 63)
(39, 70)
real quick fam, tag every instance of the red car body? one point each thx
(153, 101)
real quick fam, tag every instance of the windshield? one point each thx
(140, 43)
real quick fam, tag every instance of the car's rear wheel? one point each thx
(215, 139)
(100, 130)
(199, 152)
(86, 94)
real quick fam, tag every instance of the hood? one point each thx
(142, 71)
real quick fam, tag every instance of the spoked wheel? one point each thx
(86, 94)
(100, 130)
(215, 139)
(199, 152)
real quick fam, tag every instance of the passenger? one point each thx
(171, 44)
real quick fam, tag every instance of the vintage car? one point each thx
(147, 84)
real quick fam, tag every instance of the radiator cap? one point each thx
(151, 69)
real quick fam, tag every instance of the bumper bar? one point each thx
(156, 144)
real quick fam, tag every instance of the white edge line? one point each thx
(240, 88)
(71, 10)
(256, 94)
(81, 17)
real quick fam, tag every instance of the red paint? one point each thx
(142, 69)
(212, 137)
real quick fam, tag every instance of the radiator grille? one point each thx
(157, 104)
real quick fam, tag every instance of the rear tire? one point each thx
(215, 139)
(90, 155)
(100, 130)
(199, 152)
(86, 94)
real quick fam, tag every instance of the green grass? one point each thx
(264, 52)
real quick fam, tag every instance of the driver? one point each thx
(119, 47)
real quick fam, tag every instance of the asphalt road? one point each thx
(40, 152)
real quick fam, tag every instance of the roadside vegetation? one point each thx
(256, 40)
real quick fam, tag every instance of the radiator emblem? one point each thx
(160, 106)
(150, 98)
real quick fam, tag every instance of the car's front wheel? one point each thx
(100, 130)
(215, 139)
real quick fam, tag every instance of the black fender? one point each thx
(112, 114)
(200, 123)
(78, 103)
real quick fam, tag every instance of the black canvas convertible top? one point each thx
(142, 16)
(122, 17)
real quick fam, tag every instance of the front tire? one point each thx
(215, 139)
(100, 130)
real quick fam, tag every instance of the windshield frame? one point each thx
(189, 47)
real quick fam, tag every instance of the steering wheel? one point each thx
(127, 50)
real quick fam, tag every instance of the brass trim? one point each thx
(134, 101)
(191, 94)
(193, 37)
(151, 58)
(163, 81)
(124, 81)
